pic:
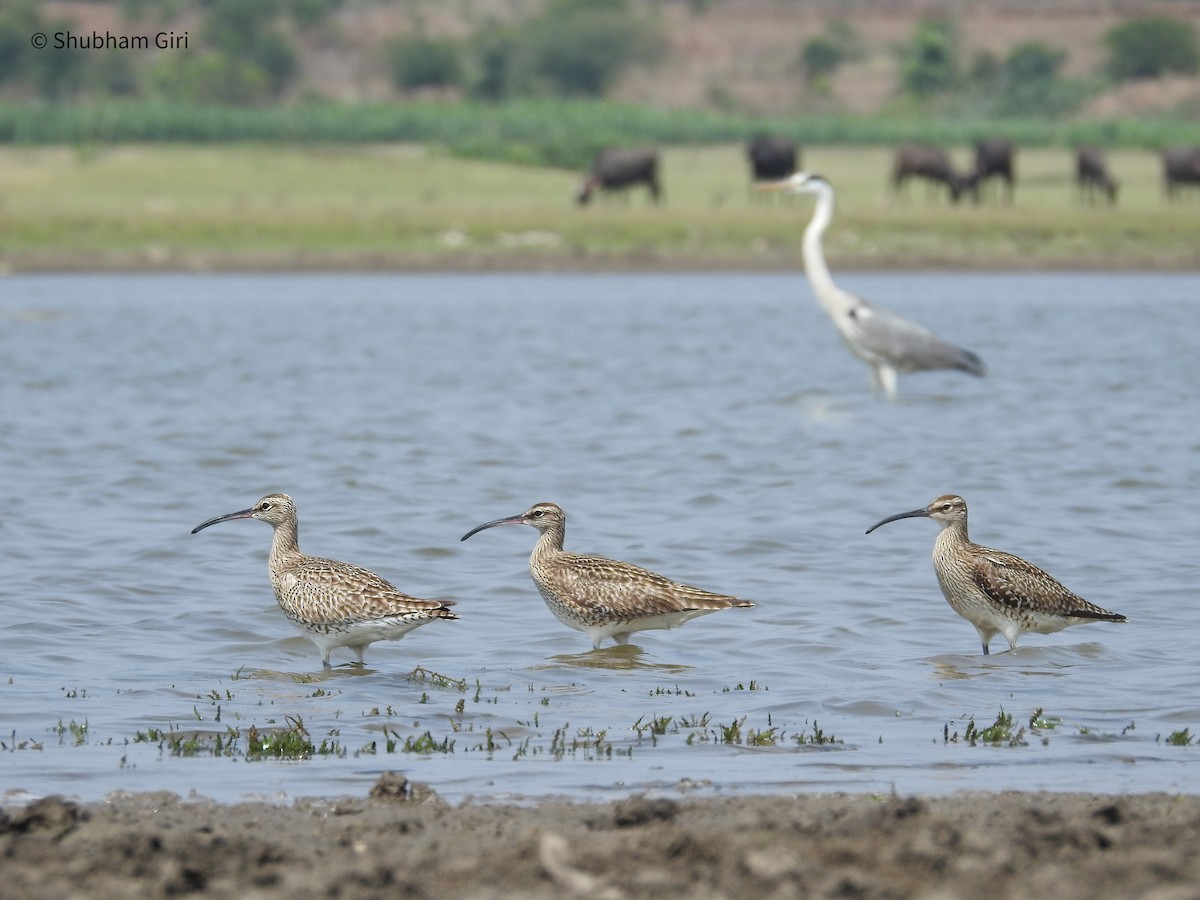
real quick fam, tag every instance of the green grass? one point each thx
(546, 131)
(404, 206)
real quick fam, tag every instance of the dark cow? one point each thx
(1181, 169)
(772, 158)
(993, 157)
(1091, 175)
(617, 170)
(931, 163)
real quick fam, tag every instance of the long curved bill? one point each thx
(915, 514)
(508, 520)
(240, 514)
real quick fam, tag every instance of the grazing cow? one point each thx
(617, 170)
(993, 157)
(931, 163)
(772, 158)
(1181, 169)
(1091, 175)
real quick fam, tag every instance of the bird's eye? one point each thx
(538, 513)
(945, 507)
(264, 506)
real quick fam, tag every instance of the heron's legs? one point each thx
(876, 380)
(886, 377)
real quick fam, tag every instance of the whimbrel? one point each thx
(995, 591)
(334, 603)
(601, 597)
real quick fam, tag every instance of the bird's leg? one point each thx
(985, 637)
(621, 639)
(876, 381)
(887, 378)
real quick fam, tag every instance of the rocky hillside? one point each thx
(741, 54)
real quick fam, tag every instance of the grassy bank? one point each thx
(397, 206)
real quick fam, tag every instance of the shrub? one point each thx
(822, 55)
(310, 13)
(928, 65)
(417, 62)
(1030, 84)
(211, 78)
(243, 32)
(274, 56)
(493, 50)
(1032, 62)
(578, 48)
(14, 41)
(1149, 46)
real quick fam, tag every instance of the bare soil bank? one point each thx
(404, 842)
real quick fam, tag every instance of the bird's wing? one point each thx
(619, 585)
(1022, 586)
(329, 591)
(903, 343)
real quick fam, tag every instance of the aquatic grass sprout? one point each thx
(1182, 738)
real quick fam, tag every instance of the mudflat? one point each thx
(403, 841)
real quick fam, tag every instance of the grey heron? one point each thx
(888, 343)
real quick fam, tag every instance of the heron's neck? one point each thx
(814, 257)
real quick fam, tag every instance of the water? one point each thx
(710, 427)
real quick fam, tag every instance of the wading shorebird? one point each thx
(888, 343)
(601, 597)
(995, 591)
(334, 603)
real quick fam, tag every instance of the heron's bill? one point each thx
(770, 185)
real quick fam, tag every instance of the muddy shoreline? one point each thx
(404, 841)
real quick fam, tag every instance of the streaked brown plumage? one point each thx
(995, 591)
(334, 603)
(603, 597)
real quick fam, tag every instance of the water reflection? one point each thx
(620, 658)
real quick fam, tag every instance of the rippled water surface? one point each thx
(710, 427)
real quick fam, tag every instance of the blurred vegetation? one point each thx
(533, 89)
(48, 75)
(538, 132)
(1149, 46)
(929, 63)
(246, 58)
(573, 48)
(823, 55)
(417, 61)
(1026, 83)
(241, 55)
